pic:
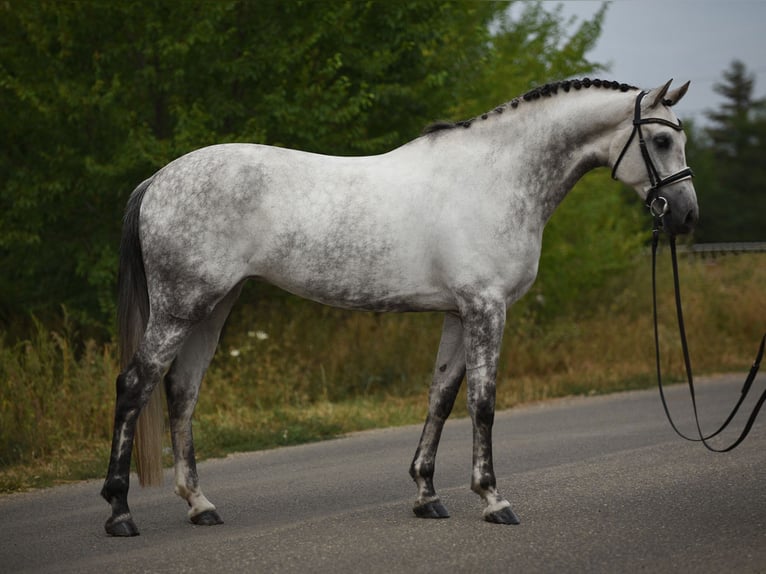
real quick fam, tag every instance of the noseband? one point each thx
(657, 204)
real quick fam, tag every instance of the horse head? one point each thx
(651, 158)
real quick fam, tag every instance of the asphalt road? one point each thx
(600, 484)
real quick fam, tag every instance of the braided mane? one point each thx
(543, 91)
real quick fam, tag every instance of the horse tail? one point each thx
(132, 318)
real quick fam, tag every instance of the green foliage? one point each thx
(95, 96)
(727, 157)
(529, 47)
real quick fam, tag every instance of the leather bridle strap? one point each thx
(687, 362)
(655, 180)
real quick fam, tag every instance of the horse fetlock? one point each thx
(202, 512)
(181, 490)
(115, 490)
(428, 504)
(494, 503)
(198, 504)
(498, 510)
(484, 484)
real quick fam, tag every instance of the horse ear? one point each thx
(657, 95)
(671, 98)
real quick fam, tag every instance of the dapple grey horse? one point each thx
(451, 221)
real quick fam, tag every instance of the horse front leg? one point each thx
(483, 323)
(448, 374)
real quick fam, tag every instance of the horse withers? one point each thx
(451, 221)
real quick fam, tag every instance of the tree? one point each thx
(530, 46)
(95, 96)
(733, 131)
(731, 149)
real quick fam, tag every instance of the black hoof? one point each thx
(433, 509)
(121, 528)
(206, 518)
(502, 516)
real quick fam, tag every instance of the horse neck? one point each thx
(551, 143)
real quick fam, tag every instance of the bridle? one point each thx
(657, 204)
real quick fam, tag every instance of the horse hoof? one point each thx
(434, 509)
(206, 518)
(502, 516)
(121, 528)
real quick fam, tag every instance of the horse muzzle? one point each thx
(676, 214)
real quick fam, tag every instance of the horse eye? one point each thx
(662, 141)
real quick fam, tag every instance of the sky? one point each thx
(647, 42)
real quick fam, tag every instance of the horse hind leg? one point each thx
(182, 385)
(163, 338)
(448, 374)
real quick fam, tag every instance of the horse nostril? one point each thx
(688, 222)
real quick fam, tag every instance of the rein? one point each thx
(658, 206)
(687, 362)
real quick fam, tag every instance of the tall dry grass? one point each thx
(56, 406)
(611, 346)
(288, 371)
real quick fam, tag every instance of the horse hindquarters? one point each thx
(149, 345)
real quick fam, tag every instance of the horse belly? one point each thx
(370, 272)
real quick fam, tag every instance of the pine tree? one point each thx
(733, 196)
